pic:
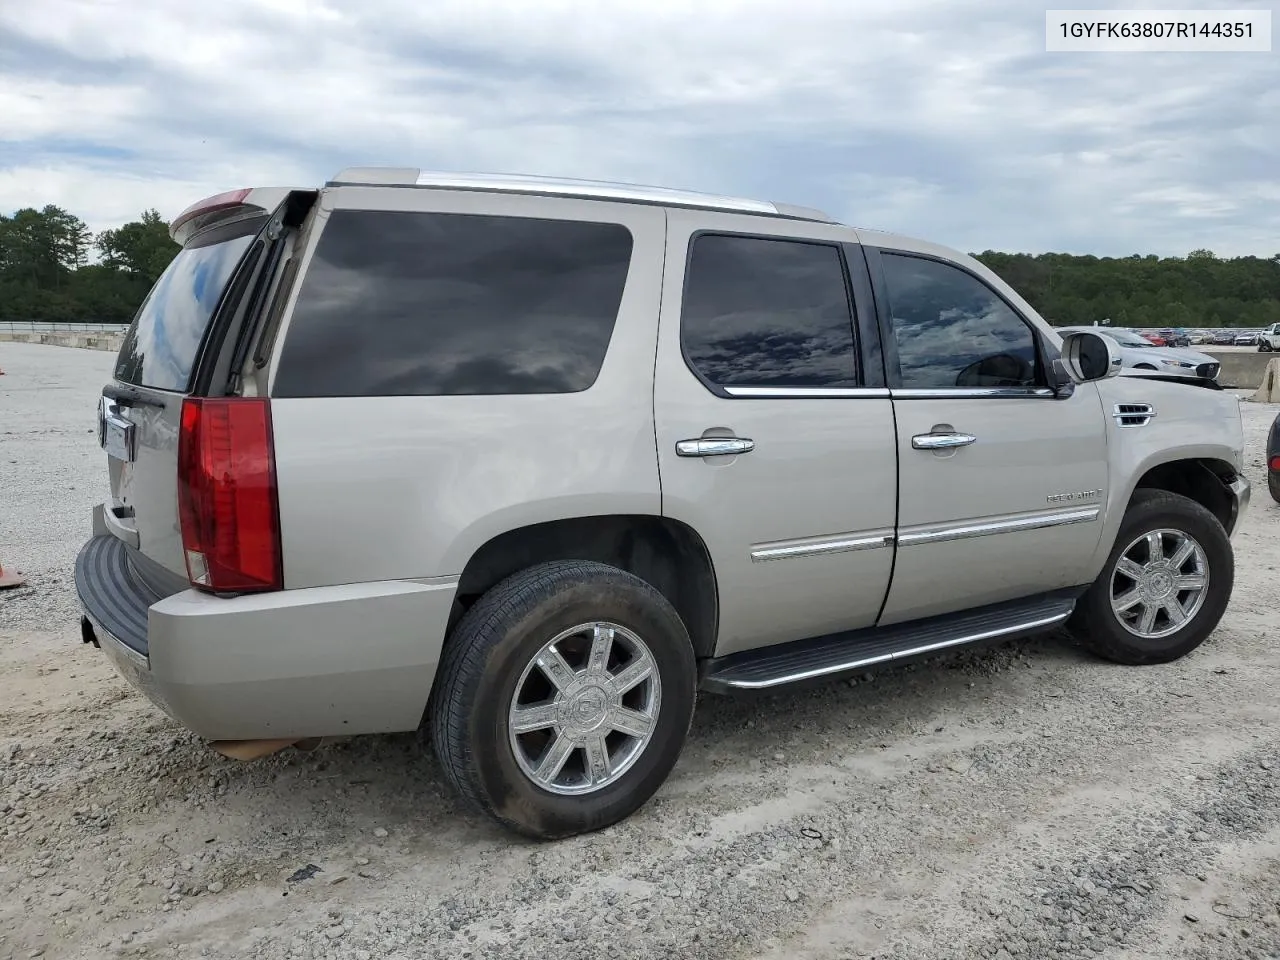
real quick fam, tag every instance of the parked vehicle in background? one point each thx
(1175, 338)
(1141, 357)
(523, 464)
(1273, 460)
(1246, 338)
(1224, 338)
(1151, 336)
(1269, 338)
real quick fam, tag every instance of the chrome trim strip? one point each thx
(820, 546)
(993, 527)
(601, 189)
(971, 393)
(786, 392)
(859, 662)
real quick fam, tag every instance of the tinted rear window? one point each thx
(164, 340)
(766, 312)
(419, 304)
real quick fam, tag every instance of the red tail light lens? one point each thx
(1275, 463)
(227, 505)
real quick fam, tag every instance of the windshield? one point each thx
(1127, 339)
(164, 340)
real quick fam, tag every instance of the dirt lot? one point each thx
(1027, 802)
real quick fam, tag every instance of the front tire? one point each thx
(1165, 585)
(564, 698)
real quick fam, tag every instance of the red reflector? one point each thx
(1275, 463)
(227, 505)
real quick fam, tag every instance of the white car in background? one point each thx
(1141, 357)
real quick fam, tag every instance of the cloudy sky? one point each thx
(941, 118)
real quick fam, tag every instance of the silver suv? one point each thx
(525, 464)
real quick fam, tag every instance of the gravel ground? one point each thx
(1025, 802)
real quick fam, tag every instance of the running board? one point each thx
(844, 653)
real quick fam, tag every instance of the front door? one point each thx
(775, 432)
(1001, 483)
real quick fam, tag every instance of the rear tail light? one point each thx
(1274, 463)
(227, 505)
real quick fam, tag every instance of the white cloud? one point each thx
(944, 119)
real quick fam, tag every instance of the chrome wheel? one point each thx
(1159, 583)
(585, 708)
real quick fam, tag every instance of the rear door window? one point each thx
(430, 304)
(163, 343)
(760, 312)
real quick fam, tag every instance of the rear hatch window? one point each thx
(162, 345)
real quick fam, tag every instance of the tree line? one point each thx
(1198, 290)
(52, 267)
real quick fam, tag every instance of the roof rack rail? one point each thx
(567, 187)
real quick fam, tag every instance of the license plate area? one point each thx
(116, 433)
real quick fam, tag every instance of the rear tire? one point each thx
(537, 716)
(1114, 618)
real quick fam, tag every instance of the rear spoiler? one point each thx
(226, 208)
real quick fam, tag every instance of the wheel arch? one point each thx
(1202, 479)
(667, 554)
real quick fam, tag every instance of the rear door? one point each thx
(140, 412)
(775, 432)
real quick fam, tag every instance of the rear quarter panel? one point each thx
(389, 488)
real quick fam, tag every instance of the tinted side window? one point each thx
(416, 304)
(768, 313)
(952, 330)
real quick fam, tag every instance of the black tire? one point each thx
(1273, 486)
(484, 659)
(1099, 628)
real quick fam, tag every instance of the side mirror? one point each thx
(1090, 356)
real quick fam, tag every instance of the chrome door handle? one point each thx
(714, 447)
(942, 441)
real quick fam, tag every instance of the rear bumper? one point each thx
(324, 661)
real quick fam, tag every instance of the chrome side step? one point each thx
(844, 653)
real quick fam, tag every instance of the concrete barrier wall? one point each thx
(1241, 369)
(85, 341)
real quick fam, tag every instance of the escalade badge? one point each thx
(1073, 497)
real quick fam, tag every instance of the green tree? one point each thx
(141, 247)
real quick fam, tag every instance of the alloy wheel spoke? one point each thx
(1155, 547)
(1130, 568)
(1173, 610)
(1180, 556)
(1127, 600)
(536, 717)
(554, 759)
(557, 670)
(1147, 620)
(631, 722)
(601, 647)
(599, 766)
(1191, 581)
(636, 672)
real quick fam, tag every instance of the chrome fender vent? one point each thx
(1133, 414)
